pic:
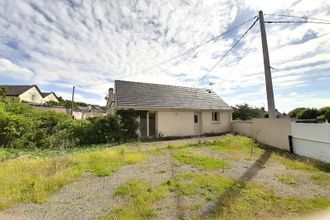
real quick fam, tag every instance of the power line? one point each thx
(296, 22)
(303, 17)
(243, 55)
(192, 49)
(237, 42)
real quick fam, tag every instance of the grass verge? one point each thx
(139, 198)
(199, 161)
(33, 180)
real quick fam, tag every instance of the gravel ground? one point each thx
(93, 197)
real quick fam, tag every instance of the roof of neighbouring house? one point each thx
(138, 95)
(16, 90)
(45, 94)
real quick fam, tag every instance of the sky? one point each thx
(89, 44)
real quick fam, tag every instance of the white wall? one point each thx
(181, 123)
(272, 132)
(311, 140)
(243, 127)
(175, 123)
(27, 96)
(223, 125)
(50, 97)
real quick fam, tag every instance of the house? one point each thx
(28, 93)
(166, 110)
(49, 97)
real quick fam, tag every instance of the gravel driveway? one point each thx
(93, 197)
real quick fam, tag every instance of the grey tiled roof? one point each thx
(45, 94)
(15, 90)
(155, 96)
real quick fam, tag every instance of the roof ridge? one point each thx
(158, 84)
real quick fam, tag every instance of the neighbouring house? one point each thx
(28, 93)
(166, 110)
(49, 97)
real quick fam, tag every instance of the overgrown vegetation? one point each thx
(140, 197)
(33, 180)
(288, 179)
(236, 199)
(311, 113)
(246, 112)
(23, 126)
(199, 161)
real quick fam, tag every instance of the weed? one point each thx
(288, 179)
(139, 198)
(199, 161)
(322, 179)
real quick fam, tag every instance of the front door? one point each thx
(197, 122)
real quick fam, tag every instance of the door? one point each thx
(197, 123)
(152, 124)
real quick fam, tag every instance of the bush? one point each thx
(23, 126)
(246, 112)
(129, 122)
(295, 112)
(327, 115)
(308, 113)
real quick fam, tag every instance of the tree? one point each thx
(308, 113)
(294, 113)
(246, 112)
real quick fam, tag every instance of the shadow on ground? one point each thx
(234, 192)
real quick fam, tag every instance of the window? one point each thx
(196, 119)
(215, 116)
(33, 97)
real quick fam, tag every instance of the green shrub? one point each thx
(129, 122)
(327, 115)
(308, 113)
(23, 126)
(295, 112)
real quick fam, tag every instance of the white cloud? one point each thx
(8, 68)
(91, 43)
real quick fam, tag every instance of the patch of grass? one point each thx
(322, 179)
(199, 161)
(239, 200)
(234, 146)
(34, 180)
(139, 198)
(288, 179)
(297, 165)
(206, 186)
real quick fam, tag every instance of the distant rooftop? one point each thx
(15, 90)
(148, 96)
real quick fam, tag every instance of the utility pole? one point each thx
(72, 100)
(268, 75)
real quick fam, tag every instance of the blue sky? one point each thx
(89, 44)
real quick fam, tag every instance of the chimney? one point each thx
(110, 101)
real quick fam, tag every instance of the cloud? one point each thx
(89, 44)
(8, 68)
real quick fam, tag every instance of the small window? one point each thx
(196, 119)
(215, 116)
(33, 97)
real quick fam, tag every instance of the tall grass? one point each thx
(34, 180)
